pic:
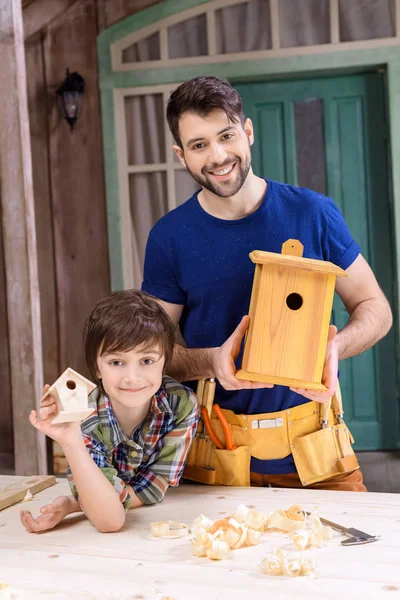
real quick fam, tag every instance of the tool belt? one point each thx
(314, 433)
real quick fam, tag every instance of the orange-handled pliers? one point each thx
(225, 426)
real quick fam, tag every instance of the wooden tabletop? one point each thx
(75, 561)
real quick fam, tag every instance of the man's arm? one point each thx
(189, 364)
(370, 320)
(370, 313)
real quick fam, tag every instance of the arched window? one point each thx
(143, 58)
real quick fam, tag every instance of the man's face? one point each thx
(216, 152)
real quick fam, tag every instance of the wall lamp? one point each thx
(70, 97)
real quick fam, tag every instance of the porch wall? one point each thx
(68, 178)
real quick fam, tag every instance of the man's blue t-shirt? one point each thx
(202, 262)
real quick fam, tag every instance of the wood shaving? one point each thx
(313, 536)
(279, 562)
(273, 563)
(28, 497)
(5, 591)
(169, 529)
(214, 539)
(279, 520)
(218, 550)
(201, 523)
(253, 537)
(250, 517)
(296, 513)
(300, 539)
(210, 545)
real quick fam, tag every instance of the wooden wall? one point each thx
(68, 185)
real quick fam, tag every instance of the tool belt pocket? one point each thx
(232, 467)
(324, 454)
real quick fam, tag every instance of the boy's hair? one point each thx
(125, 320)
(201, 95)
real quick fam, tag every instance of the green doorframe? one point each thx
(337, 62)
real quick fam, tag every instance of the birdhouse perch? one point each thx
(290, 309)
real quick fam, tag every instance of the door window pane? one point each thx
(144, 118)
(243, 27)
(148, 203)
(310, 144)
(188, 38)
(366, 19)
(304, 22)
(185, 186)
(147, 49)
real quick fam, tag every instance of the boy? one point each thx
(134, 444)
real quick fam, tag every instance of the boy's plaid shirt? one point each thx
(154, 457)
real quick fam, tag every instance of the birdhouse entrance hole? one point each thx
(294, 301)
(71, 385)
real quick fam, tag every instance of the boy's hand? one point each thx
(60, 432)
(51, 515)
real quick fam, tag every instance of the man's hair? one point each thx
(200, 96)
(126, 320)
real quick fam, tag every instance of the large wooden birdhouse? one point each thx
(290, 310)
(71, 391)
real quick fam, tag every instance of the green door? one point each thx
(329, 134)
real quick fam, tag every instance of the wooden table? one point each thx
(75, 561)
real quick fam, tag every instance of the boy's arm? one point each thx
(165, 467)
(101, 502)
(102, 495)
(135, 500)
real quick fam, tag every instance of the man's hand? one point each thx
(329, 373)
(60, 432)
(51, 514)
(223, 361)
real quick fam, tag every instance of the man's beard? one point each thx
(225, 189)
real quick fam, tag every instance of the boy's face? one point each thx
(216, 152)
(131, 378)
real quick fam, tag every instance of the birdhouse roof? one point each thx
(70, 374)
(296, 262)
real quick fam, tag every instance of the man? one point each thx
(197, 265)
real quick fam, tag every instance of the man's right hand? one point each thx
(223, 361)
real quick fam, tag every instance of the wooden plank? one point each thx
(274, 19)
(20, 242)
(6, 422)
(37, 15)
(39, 136)
(334, 21)
(14, 492)
(100, 566)
(112, 11)
(308, 264)
(77, 187)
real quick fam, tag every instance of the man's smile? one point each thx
(224, 172)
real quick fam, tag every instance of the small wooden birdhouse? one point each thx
(290, 310)
(71, 391)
